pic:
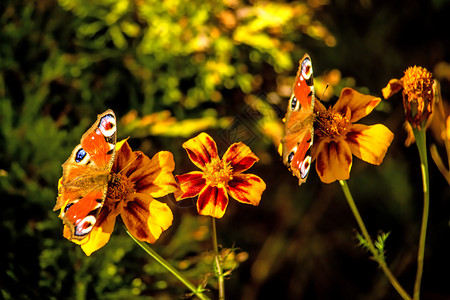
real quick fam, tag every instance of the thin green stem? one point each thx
(170, 268)
(422, 147)
(376, 255)
(221, 283)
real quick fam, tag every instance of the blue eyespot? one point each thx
(291, 156)
(68, 206)
(293, 103)
(80, 155)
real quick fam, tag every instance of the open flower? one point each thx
(134, 181)
(219, 178)
(336, 137)
(418, 94)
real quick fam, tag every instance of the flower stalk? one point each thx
(217, 261)
(196, 291)
(420, 137)
(377, 256)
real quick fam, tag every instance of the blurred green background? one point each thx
(170, 69)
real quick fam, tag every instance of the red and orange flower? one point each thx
(336, 137)
(138, 181)
(219, 178)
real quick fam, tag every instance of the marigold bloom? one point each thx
(418, 94)
(135, 181)
(336, 137)
(219, 178)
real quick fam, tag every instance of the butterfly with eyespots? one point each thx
(86, 174)
(299, 123)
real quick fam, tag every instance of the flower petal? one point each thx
(124, 157)
(246, 188)
(201, 149)
(101, 232)
(212, 201)
(153, 176)
(190, 185)
(392, 87)
(121, 143)
(360, 105)
(334, 160)
(240, 157)
(146, 218)
(369, 143)
(448, 128)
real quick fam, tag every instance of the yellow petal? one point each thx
(334, 160)
(160, 218)
(201, 149)
(240, 157)
(212, 201)
(120, 144)
(100, 234)
(392, 87)
(159, 180)
(190, 185)
(448, 128)
(146, 218)
(410, 138)
(369, 143)
(153, 176)
(246, 188)
(360, 105)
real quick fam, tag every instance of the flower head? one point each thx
(135, 180)
(336, 137)
(418, 94)
(219, 178)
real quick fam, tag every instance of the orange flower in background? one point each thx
(219, 178)
(336, 137)
(135, 181)
(418, 94)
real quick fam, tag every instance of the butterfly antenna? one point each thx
(138, 154)
(323, 94)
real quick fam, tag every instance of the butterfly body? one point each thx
(86, 174)
(299, 122)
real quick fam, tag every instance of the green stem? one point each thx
(376, 255)
(422, 147)
(219, 271)
(170, 268)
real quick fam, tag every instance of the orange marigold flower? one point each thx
(219, 178)
(135, 180)
(418, 94)
(336, 137)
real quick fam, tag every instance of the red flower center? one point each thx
(218, 173)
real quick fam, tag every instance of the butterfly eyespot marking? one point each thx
(306, 68)
(290, 157)
(304, 167)
(80, 155)
(107, 125)
(84, 226)
(295, 104)
(68, 206)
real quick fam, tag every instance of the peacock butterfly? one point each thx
(86, 174)
(299, 123)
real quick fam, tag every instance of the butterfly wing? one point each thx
(299, 131)
(85, 176)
